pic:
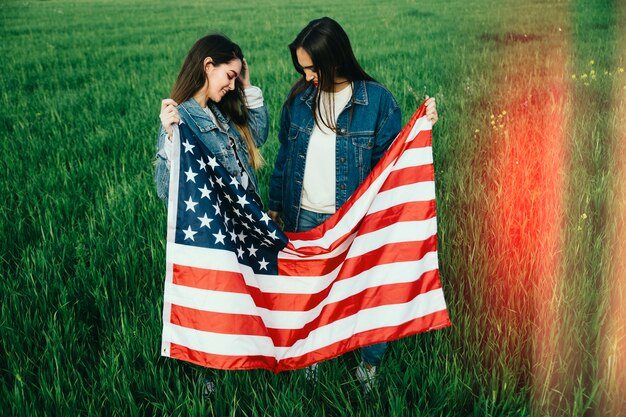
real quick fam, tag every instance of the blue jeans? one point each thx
(372, 354)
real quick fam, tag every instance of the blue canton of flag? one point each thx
(216, 212)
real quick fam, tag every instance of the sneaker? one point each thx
(208, 387)
(311, 373)
(367, 377)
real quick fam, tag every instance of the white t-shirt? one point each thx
(318, 187)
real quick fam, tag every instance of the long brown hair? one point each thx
(192, 77)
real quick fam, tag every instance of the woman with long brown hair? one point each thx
(220, 106)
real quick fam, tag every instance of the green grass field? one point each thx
(529, 157)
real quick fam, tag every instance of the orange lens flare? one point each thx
(529, 160)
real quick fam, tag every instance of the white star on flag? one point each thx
(191, 205)
(241, 200)
(219, 237)
(212, 162)
(205, 220)
(205, 191)
(191, 176)
(188, 147)
(265, 218)
(189, 233)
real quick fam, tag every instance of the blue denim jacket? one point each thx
(365, 129)
(217, 140)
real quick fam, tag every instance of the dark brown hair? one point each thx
(329, 48)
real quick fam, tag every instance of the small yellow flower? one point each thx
(500, 126)
(586, 84)
(606, 72)
(583, 76)
(583, 216)
(492, 116)
(493, 122)
(620, 70)
(593, 77)
(625, 88)
(592, 72)
(504, 112)
(592, 62)
(477, 131)
(573, 76)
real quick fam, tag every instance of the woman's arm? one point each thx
(276, 180)
(388, 128)
(259, 115)
(162, 164)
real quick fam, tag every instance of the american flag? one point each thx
(241, 294)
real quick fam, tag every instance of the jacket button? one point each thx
(342, 160)
(342, 131)
(343, 186)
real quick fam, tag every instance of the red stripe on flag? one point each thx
(209, 279)
(391, 252)
(413, 211)
(210, 321)
(242, 324)
(210, 360)
(370, 298)
(409, 175)
(432, 321)
(429, 322)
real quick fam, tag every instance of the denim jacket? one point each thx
(217, 140)
(365, 128)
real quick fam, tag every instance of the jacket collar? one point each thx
(359, 93)
(201, 118)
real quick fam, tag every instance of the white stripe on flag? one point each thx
(420, 124)
(223, 260)
(421, 191)
(399, 232)
(371, 203)
(364, 320)
(237, 303)
(414, 157)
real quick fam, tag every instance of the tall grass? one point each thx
(524, 210)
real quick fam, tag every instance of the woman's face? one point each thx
(306, 63)
(221, 79)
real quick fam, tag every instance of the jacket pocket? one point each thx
(361, 149)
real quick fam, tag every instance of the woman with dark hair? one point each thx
(336, 124)
(220, 106)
